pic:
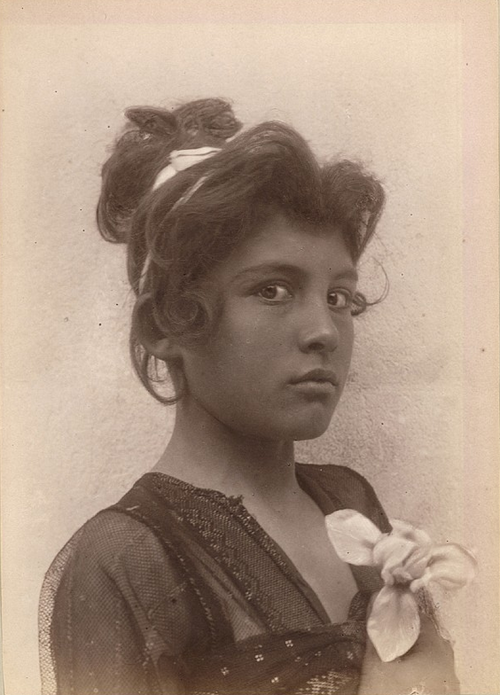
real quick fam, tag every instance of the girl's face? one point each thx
(279, 357)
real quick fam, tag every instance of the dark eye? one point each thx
(275, 293)
(340, 299)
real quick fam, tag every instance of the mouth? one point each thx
(317, 377)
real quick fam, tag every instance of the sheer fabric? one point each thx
(177, 589)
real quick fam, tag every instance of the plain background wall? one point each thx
(79, 427)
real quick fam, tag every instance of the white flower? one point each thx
(408, 560)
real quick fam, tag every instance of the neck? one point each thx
(206, 453)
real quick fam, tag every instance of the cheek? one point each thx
(238, 369)
(349, 341)
(247, 338)
(211, 371)
(341, 356)
(231, 388)
(228, 367)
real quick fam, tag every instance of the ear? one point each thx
(149, 333)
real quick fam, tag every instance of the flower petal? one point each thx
(451, 566)
(394, 622)
(353, 536)
(416, 563)
(406, 530)
(390, 553)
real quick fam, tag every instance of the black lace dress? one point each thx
(177, 589)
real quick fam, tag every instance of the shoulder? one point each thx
(347, 489)
(112, 537)
(116, 583)
(119, 553)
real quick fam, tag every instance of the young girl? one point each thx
(215, 573)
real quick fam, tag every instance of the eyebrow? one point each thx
(348, 273)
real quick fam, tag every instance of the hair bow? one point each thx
(408, 560)
(179, 161)
(183, 159)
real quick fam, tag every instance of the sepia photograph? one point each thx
(249, 338)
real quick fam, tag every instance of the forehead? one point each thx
(281, 241)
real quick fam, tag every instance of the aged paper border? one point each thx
(480, 146)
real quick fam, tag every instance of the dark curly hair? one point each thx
(178, 232)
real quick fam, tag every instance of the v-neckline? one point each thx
(325, 503)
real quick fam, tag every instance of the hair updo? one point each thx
(179, 231)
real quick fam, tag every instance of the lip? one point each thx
(318, 377)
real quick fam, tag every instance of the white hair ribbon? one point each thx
(183, 159)
(179, 160)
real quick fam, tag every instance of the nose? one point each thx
(318, 332)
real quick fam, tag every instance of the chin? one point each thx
(292, 431)
(312, 428)
(280, 425)
(311, 432)
(311, 425)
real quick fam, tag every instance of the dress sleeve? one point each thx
(123, 615)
